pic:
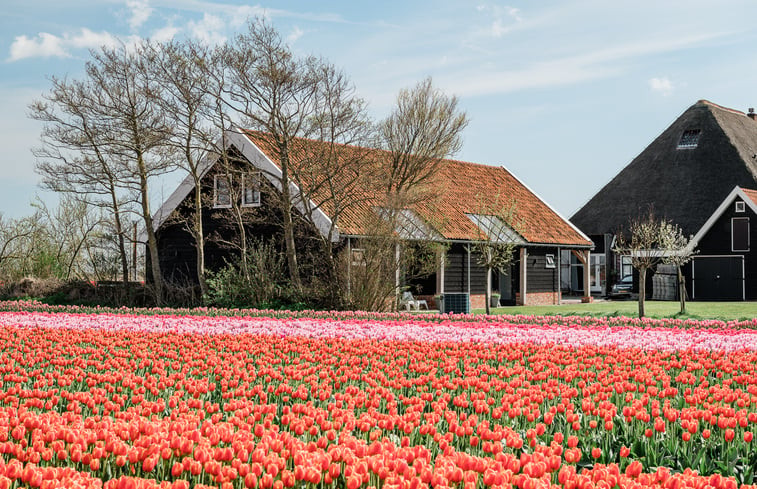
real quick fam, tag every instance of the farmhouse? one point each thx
(697, 174)
(453, 217)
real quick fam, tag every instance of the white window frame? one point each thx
(748, 233)
(216, 178)
(740, 206)
(626, 261)
(255, 177)
(549, 261)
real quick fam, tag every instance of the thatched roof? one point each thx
(684, 185)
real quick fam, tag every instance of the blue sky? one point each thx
(564, 94)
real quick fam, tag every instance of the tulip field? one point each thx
(120, 399)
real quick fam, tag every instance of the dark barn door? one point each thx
(718, 278)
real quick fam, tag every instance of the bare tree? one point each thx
(678, 252)
(425, 126)
(497, 224)
(136, 133)
(74, 158)
(67, 228)
(644, 242)
(335, 171)
(187, 103)
(273, 91)
(381, 264)
(15, 238)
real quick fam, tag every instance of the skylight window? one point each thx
(689, 139)
(495, 229)
(409, 225)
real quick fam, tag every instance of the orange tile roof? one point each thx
(459, 188)
(752, 194)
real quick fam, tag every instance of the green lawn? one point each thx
(655, 309)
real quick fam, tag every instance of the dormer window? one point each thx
(689, 139)
(740, 206)
(221, 192)
(251, 189)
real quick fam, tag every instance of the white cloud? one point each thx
(43, 46)
(294, 35)
(165, 34)
(47, 45)
(662, 85)
(140, 12)
(208, 30)
(560, 71)
(88, 39)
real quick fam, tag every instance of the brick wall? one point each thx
(539, 298)
(477, 301)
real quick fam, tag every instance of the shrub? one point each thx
(263, 286)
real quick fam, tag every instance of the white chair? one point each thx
(411, 303)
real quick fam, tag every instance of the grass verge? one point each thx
(725, 311)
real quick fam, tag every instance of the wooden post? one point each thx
(349, 266)
(134, 253)
(468, 267)
(587, 278)
(585, 258)
(559, 275)
(523, 278)
(397, 272)
(440, 273)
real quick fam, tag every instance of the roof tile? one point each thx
(460, 188)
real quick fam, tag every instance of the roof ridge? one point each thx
(369, 148)
(722, 107)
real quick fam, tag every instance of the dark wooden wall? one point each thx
(456, 272)
(717, 241)
(177, 249)
(539, 278)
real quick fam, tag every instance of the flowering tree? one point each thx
(644, 242)
(678, 252)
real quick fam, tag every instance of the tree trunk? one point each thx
(199, 238)
(642, 290)
(152, 242)
(121, 245)
(488, 289)
(682, 290)
(286, 210)
(119, 231)
(242, 242)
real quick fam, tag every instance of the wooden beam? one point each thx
(587, 277)
(349, 267)
(581, 255)
(523, 278)
(442, 257)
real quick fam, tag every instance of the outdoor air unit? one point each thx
(456, 302)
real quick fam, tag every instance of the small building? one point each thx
(454, 219)
(686, 174)
(725, 267)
